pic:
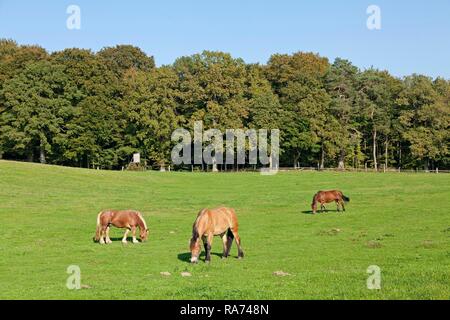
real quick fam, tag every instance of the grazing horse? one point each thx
(327, 197)
(215, 222)
(128, 219)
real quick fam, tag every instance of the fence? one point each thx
(380, 170)
(286, 169)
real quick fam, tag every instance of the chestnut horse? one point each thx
(128, 219)
(215, 222)
(327, 197)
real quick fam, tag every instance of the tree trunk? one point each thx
(42, 155)
(341, 164)
(296, 157)
(322, 158)
(374, 149)
(386, 153)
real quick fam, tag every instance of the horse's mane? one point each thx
(142, 219)
(195, 233)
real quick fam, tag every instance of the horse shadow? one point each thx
(319, 212)
(119, 239)
(186, 256)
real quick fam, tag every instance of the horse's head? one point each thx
(194, 246)
(144, 234)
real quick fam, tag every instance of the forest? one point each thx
(81, 108)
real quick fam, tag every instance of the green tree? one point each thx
(212, 90)
(120, 58)
(298, 80)
(377, 95)
(341, 82)
(38, 100)
(149, 106)
(426, 119)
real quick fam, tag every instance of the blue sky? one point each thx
(414, 35)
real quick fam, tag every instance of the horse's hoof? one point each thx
(124, 242)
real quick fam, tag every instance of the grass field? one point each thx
(399, 222)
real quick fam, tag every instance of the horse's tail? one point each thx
(346, 199)
(98, 228)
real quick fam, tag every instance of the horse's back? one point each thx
(216, 220)
(327, 196)
(120, 218)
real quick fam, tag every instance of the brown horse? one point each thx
(215, 222)
(128, 219)
(327, 197)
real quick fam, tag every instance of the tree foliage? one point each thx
(79, 108)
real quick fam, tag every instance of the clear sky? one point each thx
(414, 35)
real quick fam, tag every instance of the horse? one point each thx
(215, 222)
(327, 197)
(129, 219)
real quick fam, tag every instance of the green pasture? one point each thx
(397, 221)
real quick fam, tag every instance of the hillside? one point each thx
(399, 222)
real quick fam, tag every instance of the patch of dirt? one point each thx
(281, 273)
(428, 244)
(165, 274)
(374, 244)
(331, 232)
(85, 286)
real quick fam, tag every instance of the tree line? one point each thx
(79, 108)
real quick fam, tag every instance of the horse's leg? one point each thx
(207, 244)
(133, 232)
(238, 242)
(322, 207)
(102, 234)
(230, 238)
(124, 239)
(337, 205)
(314, 207)
(342, 205)
(108, 240)
(225, 244)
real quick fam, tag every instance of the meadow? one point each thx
(397, 221)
